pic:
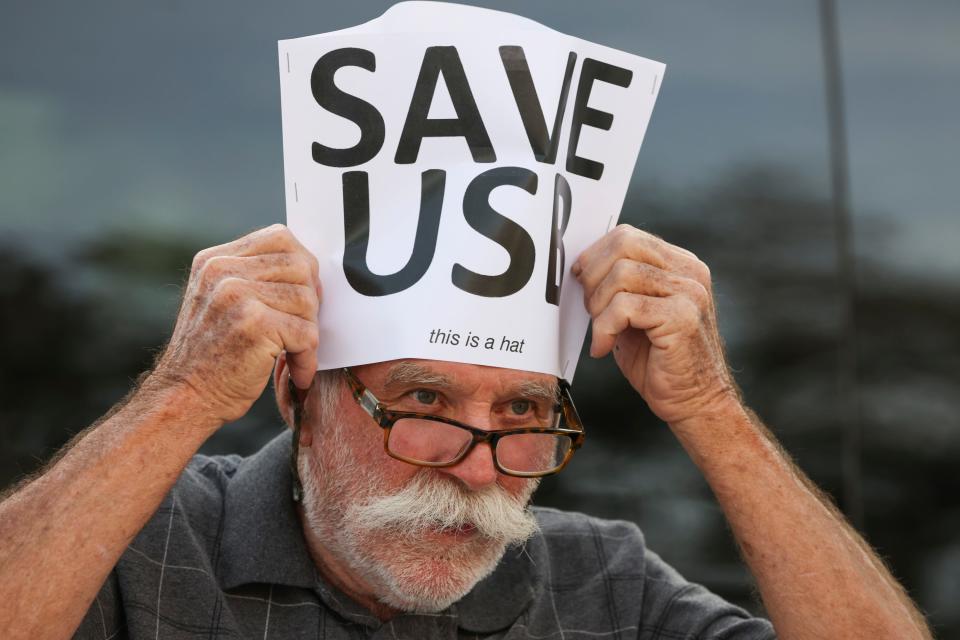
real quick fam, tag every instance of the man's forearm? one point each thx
(62, 533)
(817, 576)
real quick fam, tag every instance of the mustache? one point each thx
(429, 502)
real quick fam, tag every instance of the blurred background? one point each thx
(132, 135)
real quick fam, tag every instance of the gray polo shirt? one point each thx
(224, 557)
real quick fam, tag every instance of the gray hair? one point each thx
(326, 386)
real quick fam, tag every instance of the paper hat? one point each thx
(447, 164)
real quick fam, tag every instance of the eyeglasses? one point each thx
(436, 441)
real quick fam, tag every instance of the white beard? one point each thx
(384, 536)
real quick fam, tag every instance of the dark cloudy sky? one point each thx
(164, 116)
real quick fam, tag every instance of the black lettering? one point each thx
(502, 230)
(562, 201)
(593, 70)
(544, 145)
(356, 227)
(467, 124)
(358, 111)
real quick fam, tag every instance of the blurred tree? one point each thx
(60, 367)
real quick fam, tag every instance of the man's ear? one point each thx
(281, 387)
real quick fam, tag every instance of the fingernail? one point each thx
(576, 268)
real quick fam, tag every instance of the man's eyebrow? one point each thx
(407, 373)
(534, 389)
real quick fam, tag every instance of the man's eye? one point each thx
(520, 407)
(425, 396)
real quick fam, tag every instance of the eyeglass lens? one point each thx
(432, 442)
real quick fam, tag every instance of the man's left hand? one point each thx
(651, 303)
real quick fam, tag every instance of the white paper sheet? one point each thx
(358, 128)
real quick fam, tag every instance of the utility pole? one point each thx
(847, 365)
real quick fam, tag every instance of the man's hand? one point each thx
(60, 534)
(245, 302)
(651, 303)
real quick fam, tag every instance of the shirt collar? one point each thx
(263, 542)
(262, 535)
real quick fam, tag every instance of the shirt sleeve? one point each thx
(675, 609)
(104, 619)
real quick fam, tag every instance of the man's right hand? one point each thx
(61, 533)
(245, 302)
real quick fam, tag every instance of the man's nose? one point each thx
(476, 470)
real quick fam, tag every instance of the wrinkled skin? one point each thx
(246, 302)
(651, 303)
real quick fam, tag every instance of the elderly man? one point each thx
(405, 511)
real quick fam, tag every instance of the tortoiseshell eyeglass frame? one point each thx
(566, 414)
